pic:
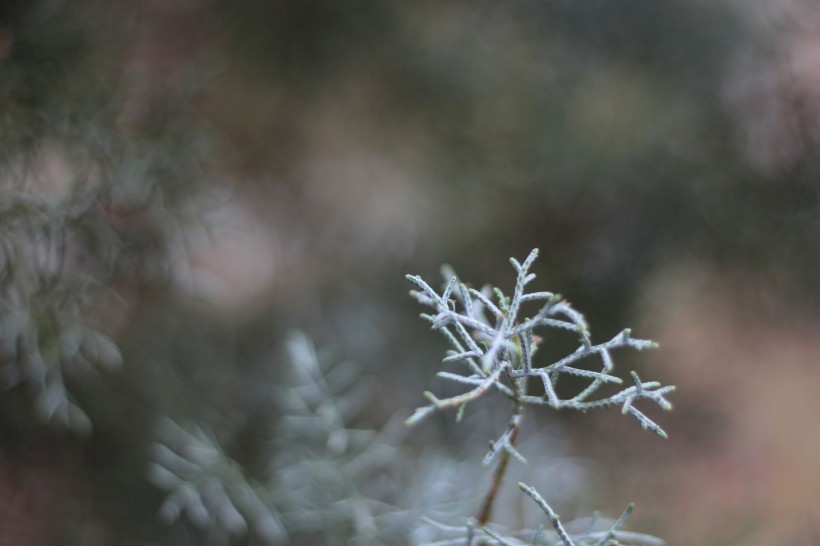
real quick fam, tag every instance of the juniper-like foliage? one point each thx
(499, 351)
(498, 346)
(46, 290)
(325, 481)
(97, 190)
(336, 480)
(594, 531)
(209, 488)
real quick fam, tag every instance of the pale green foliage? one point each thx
(325, 480)
(209, 487)
(339, 484)
(46, 287)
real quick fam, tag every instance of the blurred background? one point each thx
(184, 183)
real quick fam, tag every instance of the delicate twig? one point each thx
(554, 518)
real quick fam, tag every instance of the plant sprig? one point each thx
(505, 348)
(499, 350)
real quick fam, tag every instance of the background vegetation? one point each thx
(184, 183)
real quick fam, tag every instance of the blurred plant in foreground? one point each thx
(209, 487)
(336, 480)
(325, 481)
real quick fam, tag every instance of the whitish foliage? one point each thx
(593, 531)
(500, 350)
(498, 346)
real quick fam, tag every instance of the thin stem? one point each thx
(498, 476)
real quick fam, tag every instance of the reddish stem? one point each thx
(498, 477)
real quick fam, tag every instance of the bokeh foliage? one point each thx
(352, 142)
